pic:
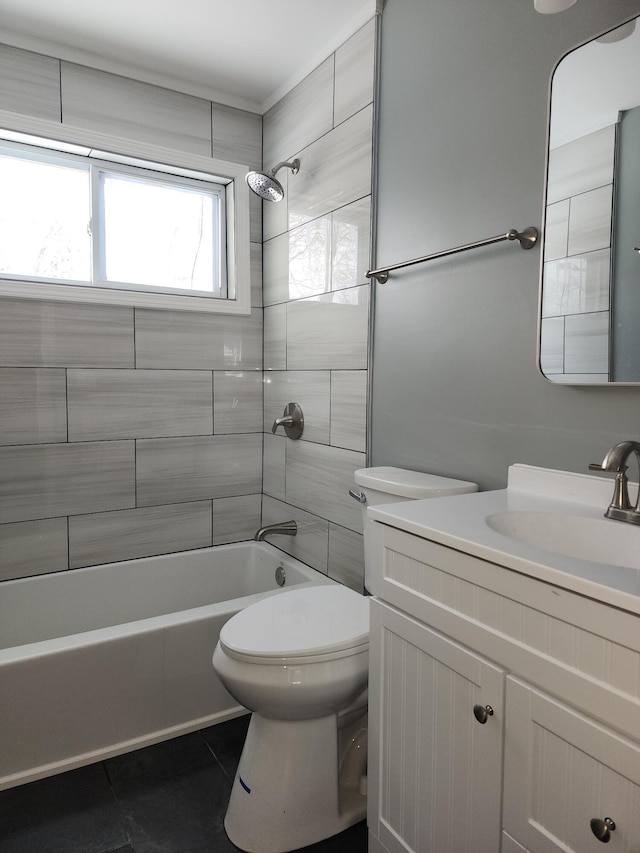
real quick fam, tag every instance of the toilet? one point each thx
(299, 661)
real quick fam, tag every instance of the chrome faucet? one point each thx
(288, 528)
(615, 461)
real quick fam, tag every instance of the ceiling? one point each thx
(244, 53)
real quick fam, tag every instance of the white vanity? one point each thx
(505, 671)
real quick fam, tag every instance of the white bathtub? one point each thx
(99, 661)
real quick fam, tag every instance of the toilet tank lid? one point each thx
(410, 484)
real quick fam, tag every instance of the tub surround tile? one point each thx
(556, 232)
(237, 401)
(552, 346)
(319, 479)
(350, 244)
(255, 251)
(590, 221)
(275, 217)
(300, 117)
(33, 548)
(236, 519)
(32, 405)
(276, 270)
(587, 343)
(274, 466)
(577, 284)
(329, 332)
(65, 334)
(349, 409)
(110, 104)
(30, 83)
(354, 66)
(172, 470)
(334, 171)
(311, 389)
(275, 337)
(310, 544)
(346, 557)
(236, 135)
(183, 340)
(112, 404)
(581, 165)
(129, 534)
(52, 480)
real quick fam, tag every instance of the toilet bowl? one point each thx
(299, 661)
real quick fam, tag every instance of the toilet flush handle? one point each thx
(358, 496)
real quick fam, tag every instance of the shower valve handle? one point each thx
(292, 420)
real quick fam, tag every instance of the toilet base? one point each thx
(286, 793)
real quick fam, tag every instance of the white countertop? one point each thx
(459, 521)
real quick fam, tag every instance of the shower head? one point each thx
(266, 185)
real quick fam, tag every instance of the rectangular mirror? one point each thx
(590, 298)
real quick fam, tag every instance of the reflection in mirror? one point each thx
(590, 320)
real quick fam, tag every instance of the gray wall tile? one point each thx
(237, 401)
(581, 165)
(108, 404)
(183, 339)
(47, 480)
(64, 334)
(107, 103)
(590, 221)
(346, 557)
(171, 470)
(350, 244)
(33, 548)
(310, 389)
(329, 331)
(128, 534)
(32, 405)
(236, 519)
(274, 466)
(354, 73)
(319, 479)
(576, 284)
(275, 337)
(30, 83)
(556, 230)
(310, 544)
(256, 274)
(237, 136)
(552, 345)
(586, 348)
(334, 171)
(349, 409)
(303, 115)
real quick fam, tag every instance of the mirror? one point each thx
(590, 299)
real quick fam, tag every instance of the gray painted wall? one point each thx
(463, 117)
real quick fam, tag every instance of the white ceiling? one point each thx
(244, 53)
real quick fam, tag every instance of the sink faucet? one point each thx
(615, 461)
(289, 528)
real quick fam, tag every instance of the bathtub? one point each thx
(96, 662)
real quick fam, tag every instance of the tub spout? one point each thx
(288, 528)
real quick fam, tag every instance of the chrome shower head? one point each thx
(266, 185)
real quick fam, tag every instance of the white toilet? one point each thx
(299, 661)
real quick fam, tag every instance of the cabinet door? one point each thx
(563, 770)
(434, 770)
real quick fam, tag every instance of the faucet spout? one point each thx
(615, 461)
(288, 528)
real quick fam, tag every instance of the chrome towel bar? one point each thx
(527, 238)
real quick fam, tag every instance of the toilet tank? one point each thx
(385, 485)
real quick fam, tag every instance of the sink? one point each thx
(597, 540)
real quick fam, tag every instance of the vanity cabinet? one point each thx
(554, 680)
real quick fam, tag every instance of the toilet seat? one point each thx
(301, 625)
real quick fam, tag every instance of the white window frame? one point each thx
(127, 153)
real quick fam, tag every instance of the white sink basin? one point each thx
(597, 540)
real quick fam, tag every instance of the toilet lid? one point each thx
(300, 623)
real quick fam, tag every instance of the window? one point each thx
(78, 226)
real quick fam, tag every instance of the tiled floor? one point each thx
(168, 798)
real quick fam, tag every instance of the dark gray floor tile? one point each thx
(180, 814)
(352, 840)
(181, 755)
(226, 741)
(68, 813)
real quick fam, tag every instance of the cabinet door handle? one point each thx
(602, 829)
(482, 713)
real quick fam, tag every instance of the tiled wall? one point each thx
(127, 432)
(575, 308)
(316, 307)
(131, 432)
